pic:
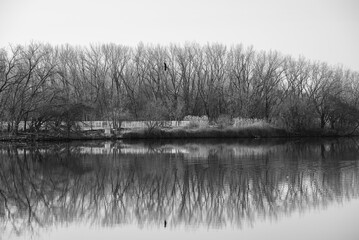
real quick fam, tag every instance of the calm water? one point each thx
(203, 189)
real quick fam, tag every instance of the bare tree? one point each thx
(118, 82)
(240, 72)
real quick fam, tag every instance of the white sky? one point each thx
(326, 30)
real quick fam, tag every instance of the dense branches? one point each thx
(118, 81)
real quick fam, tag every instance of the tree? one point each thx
(153, 113)
(213, 80)
(267, 76)
(240, 73)
(321, 88)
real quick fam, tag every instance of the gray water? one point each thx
(249, 189)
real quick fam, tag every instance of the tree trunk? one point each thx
(322, 121)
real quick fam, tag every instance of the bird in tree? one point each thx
(165, 65)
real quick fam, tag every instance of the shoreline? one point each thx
(168, 134)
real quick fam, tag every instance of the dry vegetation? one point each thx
(224, 127)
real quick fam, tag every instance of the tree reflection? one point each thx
(213, 184)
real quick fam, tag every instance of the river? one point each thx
(198, 189)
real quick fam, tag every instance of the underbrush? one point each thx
(229, 132)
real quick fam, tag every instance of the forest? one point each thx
(41, 83)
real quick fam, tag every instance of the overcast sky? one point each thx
(326, 30)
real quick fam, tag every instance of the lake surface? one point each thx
(248, 189)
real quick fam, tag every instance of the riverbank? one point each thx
(173, 133)
(232, 132)
(52, 136)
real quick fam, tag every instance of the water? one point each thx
(255, 189)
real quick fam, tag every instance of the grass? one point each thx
(209, 132)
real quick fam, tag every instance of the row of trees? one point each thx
(41, 83)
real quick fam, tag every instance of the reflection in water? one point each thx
(185, 184)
